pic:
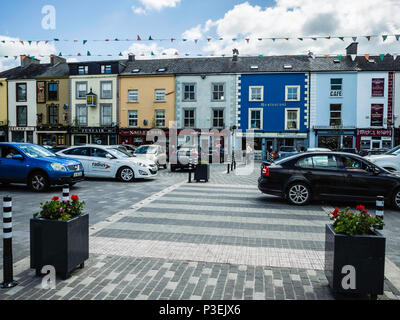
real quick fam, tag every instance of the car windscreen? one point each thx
(146, 149)
(394, 151)
(120, 153)
(36, 151)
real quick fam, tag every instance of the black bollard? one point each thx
(190, 172)
(229, 167)
(65, 193)
(9, 282)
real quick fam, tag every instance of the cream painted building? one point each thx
(3, 110)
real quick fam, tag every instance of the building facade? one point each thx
(3, 110)
(53, 104)
(93, 108)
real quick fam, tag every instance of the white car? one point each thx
(389, 160)
(110, 162)
(153, 152)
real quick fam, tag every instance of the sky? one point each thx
(228, 22)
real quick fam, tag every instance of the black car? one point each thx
(321, 175)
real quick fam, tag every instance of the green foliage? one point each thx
(60, 210)
(350, 223)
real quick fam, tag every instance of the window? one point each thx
(106, 114)
(160, 95)
(21, 92)
(133, 118)
(133, 96)
(292, 93)
(376, 115)
(336, 87)
(53, 114)
(81, 115)
(218, 92)
(83, 70)
(22, 116)
(189, 92)
(98, 153)
(189, 119)
(318, 162)
(84, 152)
(106, 69)
(255, 118)
(335, 115)
(106, 90)
(52, 91)
(81, 90)
(378, 87)
(353, 164)
(256, 93)
(292, 119)
(160, 118)
(8, 152)
(218, 118)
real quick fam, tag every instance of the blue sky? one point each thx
(101, 19)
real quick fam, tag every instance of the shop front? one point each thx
(335, 139)
(53, 136)
(22, 134)
(94, 135)
(368, 139)
(3, 133)
(138, 137)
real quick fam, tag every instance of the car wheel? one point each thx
(396, 199)
(298, 194)
(126, 174)
(38, 182)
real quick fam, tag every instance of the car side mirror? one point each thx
(17, 157)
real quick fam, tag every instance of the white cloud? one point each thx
(157, 5)
(143, 51)
(194, 33)
(14, 48)
(302, 18)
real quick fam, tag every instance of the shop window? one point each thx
(255, 118)
(376, 115)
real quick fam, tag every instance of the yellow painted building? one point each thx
(3, 109)
(146, 102)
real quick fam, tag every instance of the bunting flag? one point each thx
(172, 39)
(353, 56)
(247, 40)
(366, 56)
(397, 37)
(176, 53)
(368, 38)
(341, 38)
(315, 39)
(150, 38)
(339, 57)
(120, 54)
(301, 39)
(328, 38)
(273, 39)
(195, 40)
(79, 55)
(381, 56)
(208, 39)
(152, 53)
(138, 38)
(56, 39)
(184, 40)
(88, 54)
(84, 42)
(384, 37)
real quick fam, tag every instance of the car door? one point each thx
(360, 179)
(12, 169)
(324, 173)
(102, 162)
(81, 154)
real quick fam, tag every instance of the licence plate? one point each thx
(77, 174)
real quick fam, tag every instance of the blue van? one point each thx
(36, 166)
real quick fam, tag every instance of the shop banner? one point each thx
(378, 87)
(376, 115)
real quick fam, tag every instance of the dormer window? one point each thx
(106, 69)
(254, 67)
(83, 70)
(162, 70)
(336, 61)
(371, 60)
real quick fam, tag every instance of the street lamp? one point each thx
(91, 99)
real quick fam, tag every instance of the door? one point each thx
(102, 163)
(324, 173)
(81, 154)
(11, 169)
(361, 181)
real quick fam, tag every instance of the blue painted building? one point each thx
(275, 106)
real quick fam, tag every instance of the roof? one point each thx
(29, 72)
(58, 70)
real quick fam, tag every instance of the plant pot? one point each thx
(365, 253)
(202, 172)
(61, 244)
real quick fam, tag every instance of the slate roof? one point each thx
(58, 70)
(29, 72)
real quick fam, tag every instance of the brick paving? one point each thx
(202, 241)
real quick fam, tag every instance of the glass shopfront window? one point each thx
(18, 136)
(80, 140)
(330, 142)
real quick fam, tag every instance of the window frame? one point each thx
(16, 91)
(218, 118)
(102, 106)
(77, 91)
(330, 114)
(49, 115)
(184, 118)
(297, 87)
(261, 94)
(85, 69)
(383, 92)
(155, 118)
(137, 96)
(261, 118)
(297, 119)
(103, 69)
(164, 95)
(383, 115)
(26, 116)
(129, 118)
(218, 92)
(101, 89)
(194, 84)
(77, 107)
(339, 90)
(48, 91)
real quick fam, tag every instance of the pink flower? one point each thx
(61, 209)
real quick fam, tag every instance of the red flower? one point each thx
(335, 212)
(360, 207)
(74, 198)
(55, 198)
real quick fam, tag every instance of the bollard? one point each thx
(232, 168)
(380, 204)
(9, 282)
(190, 172)
(229, 167)
(65, 193)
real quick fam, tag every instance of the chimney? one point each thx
(55, 59)
(235, 55)
(28, 60)
(352, 48)
(131, 57)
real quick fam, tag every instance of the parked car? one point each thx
(55, 149)
(389, 160)
(110, 162)
(372, 152)
(318, 150)
(36, 166)
(126, 147)
(285, 151)
(153, 152)
(181, 158)
(349, 150)
(329, 175)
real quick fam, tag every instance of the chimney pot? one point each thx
(352, 48)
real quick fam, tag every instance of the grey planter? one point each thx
(61, 244)
(365, 253)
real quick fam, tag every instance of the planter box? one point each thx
(202, 172)
(365, 253)
(62, 244)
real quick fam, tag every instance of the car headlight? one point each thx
(58, 167)
(142, 164)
